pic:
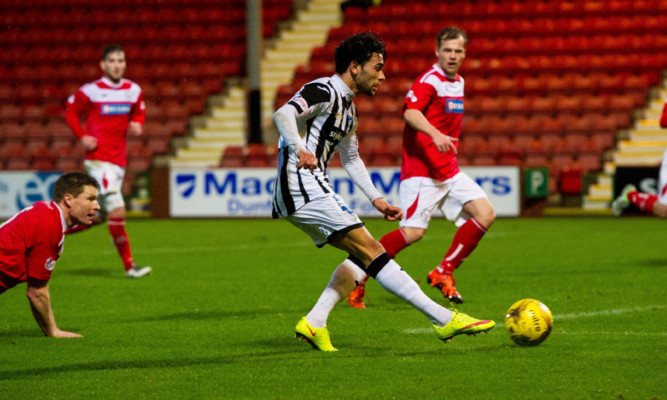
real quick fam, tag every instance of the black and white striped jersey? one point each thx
(326, 120)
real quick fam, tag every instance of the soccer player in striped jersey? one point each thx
(112, 106)
(319, 120)
(430, 177)
(32, 241)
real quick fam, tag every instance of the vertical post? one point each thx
(254, 48)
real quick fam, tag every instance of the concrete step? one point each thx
(600, 191)
(191, 163)
(645, 158)
(647, 124)
(648, 134)
(642, 145)
(605, 179)
(595, 204)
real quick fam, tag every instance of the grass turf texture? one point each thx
(216, 318)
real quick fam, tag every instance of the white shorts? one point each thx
(325, 217)
(110, 177)
(420, 197)
(662, 181)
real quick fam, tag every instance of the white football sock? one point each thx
(397, 282)
(343, 280)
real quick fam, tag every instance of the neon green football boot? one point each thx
(317, 337)
(622, 202)
(463, 324)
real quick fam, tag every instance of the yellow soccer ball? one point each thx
(528, 322)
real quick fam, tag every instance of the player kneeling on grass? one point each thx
(323, 111)
(32, 241)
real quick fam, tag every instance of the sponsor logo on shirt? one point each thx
(50, 264)
(455, 106)
(301, 102)
(115, 109)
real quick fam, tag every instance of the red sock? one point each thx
(465, 240)
(76, 228)
(120, 239)
(394, 241)
(643, 201)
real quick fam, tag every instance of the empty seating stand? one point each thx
(555, 78)
(178, 51)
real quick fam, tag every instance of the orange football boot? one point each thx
(446, 284)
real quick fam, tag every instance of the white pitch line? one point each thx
(615, 311)
(588, 333)
(557, 317)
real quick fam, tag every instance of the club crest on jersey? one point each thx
(50, 264)
(454, 106)
(115, 109)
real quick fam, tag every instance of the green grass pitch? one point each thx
(215, 319)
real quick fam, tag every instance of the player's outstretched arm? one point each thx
(391, 213)
(40, 303)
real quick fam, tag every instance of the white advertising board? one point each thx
(22, 188)
(247, 192)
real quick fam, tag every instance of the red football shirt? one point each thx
(441, 100)
(31, 241)
(108, 109)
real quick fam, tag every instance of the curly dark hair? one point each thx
(359, 48)
(72, 183)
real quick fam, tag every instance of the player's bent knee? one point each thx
(346, 277)
(413, 235)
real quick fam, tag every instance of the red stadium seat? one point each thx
(518, 105)
(42, 160)
(68, 163)
(17, 163)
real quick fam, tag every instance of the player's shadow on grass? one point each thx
(21, 333)
(89, 272)
(138, 364)
(656, 262)
(215, 315)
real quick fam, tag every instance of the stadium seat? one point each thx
(233, 157)
(543, 105)
(17, 163)
(157, 144)
(569, 104)
(12, 130)
(257, 155)
(42, 159)
(12, 148)
(10, 113)
(579, 125)
(518, 105)
(138, 162)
